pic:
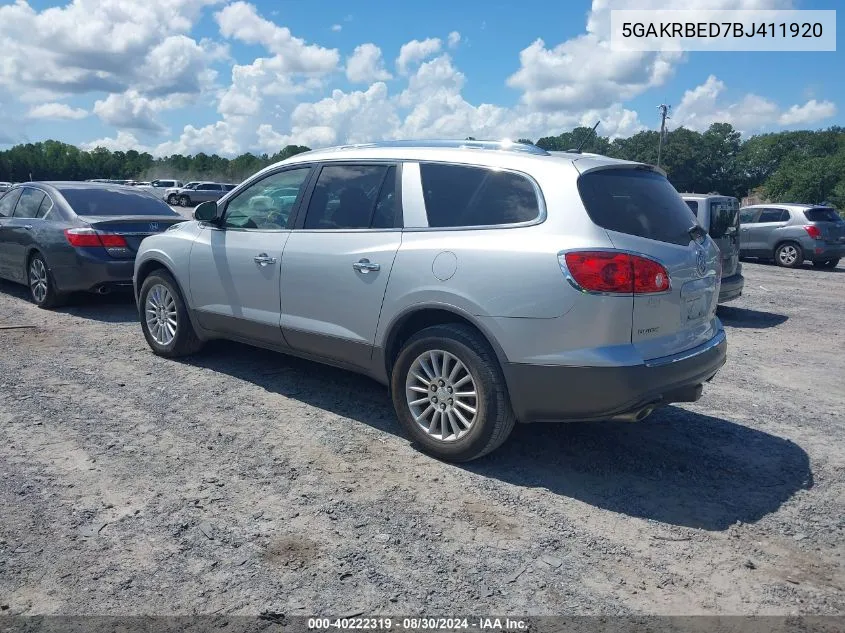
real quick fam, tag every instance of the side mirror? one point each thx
(206, 211)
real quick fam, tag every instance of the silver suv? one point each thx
(719, 216)
(484, 282)
(792, 233)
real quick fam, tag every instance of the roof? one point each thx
(704, 196)
(786, 205)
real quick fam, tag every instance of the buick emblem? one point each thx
(154, 226)
(700, 262)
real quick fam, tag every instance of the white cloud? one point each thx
(241, 21)
(132, 110)
(810, 112)
(124, 141)
(701, 106)
(366, 65)
(416, 51)
(56, 111)
(454, 39)
(337, 28)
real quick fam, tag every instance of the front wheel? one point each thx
(164, 317)
(450, 395)
(828, 264)
(172, 200)
(789, 255)
(185, 201)
(42, 288)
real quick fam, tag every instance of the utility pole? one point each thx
(664, 114)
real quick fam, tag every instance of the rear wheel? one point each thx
(828, 264)
(185, 201)
(164, 317)
(450, 395)
(789, 255)
(42, 288)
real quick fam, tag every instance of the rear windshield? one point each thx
(636, 202)
(693, 206)
(104, 202)
(723, 217)
(822, 214)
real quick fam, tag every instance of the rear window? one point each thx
(636, 202)
(693, 206)
(475, 196)
(822, 214)
(723, 216)
(104, 202)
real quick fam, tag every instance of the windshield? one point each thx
(822, 214)
(723, 217)
(106, 202)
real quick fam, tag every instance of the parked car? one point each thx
(719, 216)
(171, 194)
(203, 192)
(60, 237)
(792, 233)
(483, 282)
(5, 186)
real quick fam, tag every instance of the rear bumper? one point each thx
(731, 287)
(822, 251)
(93, 272)
(556, 393)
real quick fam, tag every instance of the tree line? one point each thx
(800, 166)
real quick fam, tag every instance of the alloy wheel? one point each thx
(441, 395)
(787, 254)
(38, 282)
(161, 315)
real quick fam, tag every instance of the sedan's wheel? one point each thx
(828, 264)
(41, 285)
(185, 201)
(449, 393)
(789, 255)
(172, 200)
(164, 317)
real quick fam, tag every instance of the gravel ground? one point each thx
(243, 481)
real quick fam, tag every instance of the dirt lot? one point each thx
(244, 481)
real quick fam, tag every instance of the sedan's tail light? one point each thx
(614, 272)
(81, 238)
(813, 231)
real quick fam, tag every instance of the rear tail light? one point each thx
(813, 231)
(614, 272)
(82, 238)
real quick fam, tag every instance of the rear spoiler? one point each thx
(587, 163)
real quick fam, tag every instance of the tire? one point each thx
(160, 292)
(827, 264)
(789, 255)
(184, 201)
(42, 287)
(172, 200)
(493, 420)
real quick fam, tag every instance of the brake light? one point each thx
(614, 272)
(86, 238)
(813, 231)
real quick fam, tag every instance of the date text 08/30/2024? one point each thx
(418, 623)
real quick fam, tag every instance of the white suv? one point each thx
(483, 282)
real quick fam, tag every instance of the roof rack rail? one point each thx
(507, 146)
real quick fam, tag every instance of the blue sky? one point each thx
(226, 77)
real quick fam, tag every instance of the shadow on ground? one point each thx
(115, 307)
(747, 318)
(677, 466)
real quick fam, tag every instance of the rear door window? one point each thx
(723, 216)
(636, 202)
(773, 215)
(29, 203)
(822, 214)
(7, 203)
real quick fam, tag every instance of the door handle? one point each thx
(364, 266)
(263, 259)
(28, 227)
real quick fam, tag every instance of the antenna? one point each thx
(664, 114)
(586, 138)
